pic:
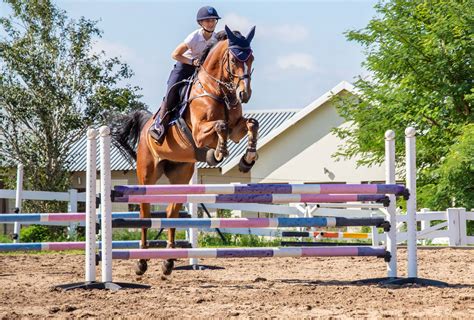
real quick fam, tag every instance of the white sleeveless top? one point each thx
(196, 43)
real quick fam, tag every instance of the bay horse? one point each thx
(213, 115)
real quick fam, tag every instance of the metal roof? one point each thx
(268, 120)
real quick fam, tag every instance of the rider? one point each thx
(188, 56)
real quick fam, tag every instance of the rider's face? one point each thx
(209, 24)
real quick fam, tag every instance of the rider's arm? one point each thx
(178, 54)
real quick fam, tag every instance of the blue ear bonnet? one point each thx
(239, 45)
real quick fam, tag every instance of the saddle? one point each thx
(177, 111)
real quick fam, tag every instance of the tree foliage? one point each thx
(453, 182)
(420, 58)
(53, 85)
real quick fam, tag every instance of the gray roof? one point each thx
(268, 120)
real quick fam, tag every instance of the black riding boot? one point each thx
(159, 128)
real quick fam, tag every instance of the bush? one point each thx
(235, 240)
(39, 233)
(127, 234)
(5, 238)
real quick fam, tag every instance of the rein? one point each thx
(229, 86)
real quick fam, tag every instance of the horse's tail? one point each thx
(126, 132)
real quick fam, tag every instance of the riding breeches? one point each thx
(180, 72)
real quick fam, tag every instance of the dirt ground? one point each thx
(283, 287)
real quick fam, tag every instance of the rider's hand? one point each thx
(196, 63)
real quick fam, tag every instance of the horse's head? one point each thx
(239, 63)
(230, 63)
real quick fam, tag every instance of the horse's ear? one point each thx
(230, 35)
(249, 37)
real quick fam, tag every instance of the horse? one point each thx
(213, 115)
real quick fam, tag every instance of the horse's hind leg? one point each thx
(177, 173)
(149, 171)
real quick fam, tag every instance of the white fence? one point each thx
(450, 229)
(451, 226)
(72, 197)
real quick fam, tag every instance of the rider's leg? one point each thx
(171, 100)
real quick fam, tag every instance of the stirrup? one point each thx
(157, 133)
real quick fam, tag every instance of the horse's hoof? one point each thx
(244, 166)
(141, 267)
(167, 267)
(211, 159)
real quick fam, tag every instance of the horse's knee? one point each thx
(221, 127)
(252, 124)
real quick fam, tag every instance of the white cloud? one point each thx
(288, 32)
(236, 22)
(296, 61)
(114, 50)
(284, 33)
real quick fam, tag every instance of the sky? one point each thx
(299, 47)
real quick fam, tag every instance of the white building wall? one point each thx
(302, 153)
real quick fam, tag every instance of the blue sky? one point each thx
(299, 47)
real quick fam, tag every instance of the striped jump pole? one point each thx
(349, 251)
(326, 234)
(251, 198)
(212, 223)
(31, 218)
(257, 188)
(80, 245)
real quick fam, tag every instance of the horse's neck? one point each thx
(214, 65)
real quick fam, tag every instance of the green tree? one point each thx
(53, 85)
(420, 58)
(454, 179)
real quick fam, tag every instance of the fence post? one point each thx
(462, 227)
(72, 207)
(376, 238)
(424, 224)
(453, 226)
(18, 200)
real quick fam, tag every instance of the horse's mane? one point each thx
(220, 36)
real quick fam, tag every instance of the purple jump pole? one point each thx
(251, 198)
(262, 189)
(349, 251)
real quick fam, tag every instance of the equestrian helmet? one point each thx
(207, 12)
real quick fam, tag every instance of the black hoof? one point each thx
(244, 166)
(141, 267)
(167, 267)
(211, 159)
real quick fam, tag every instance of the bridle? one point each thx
(229, 86)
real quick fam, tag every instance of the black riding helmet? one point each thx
(207, 12)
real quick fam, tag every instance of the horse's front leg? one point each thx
(222, 130)
(249, 127)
